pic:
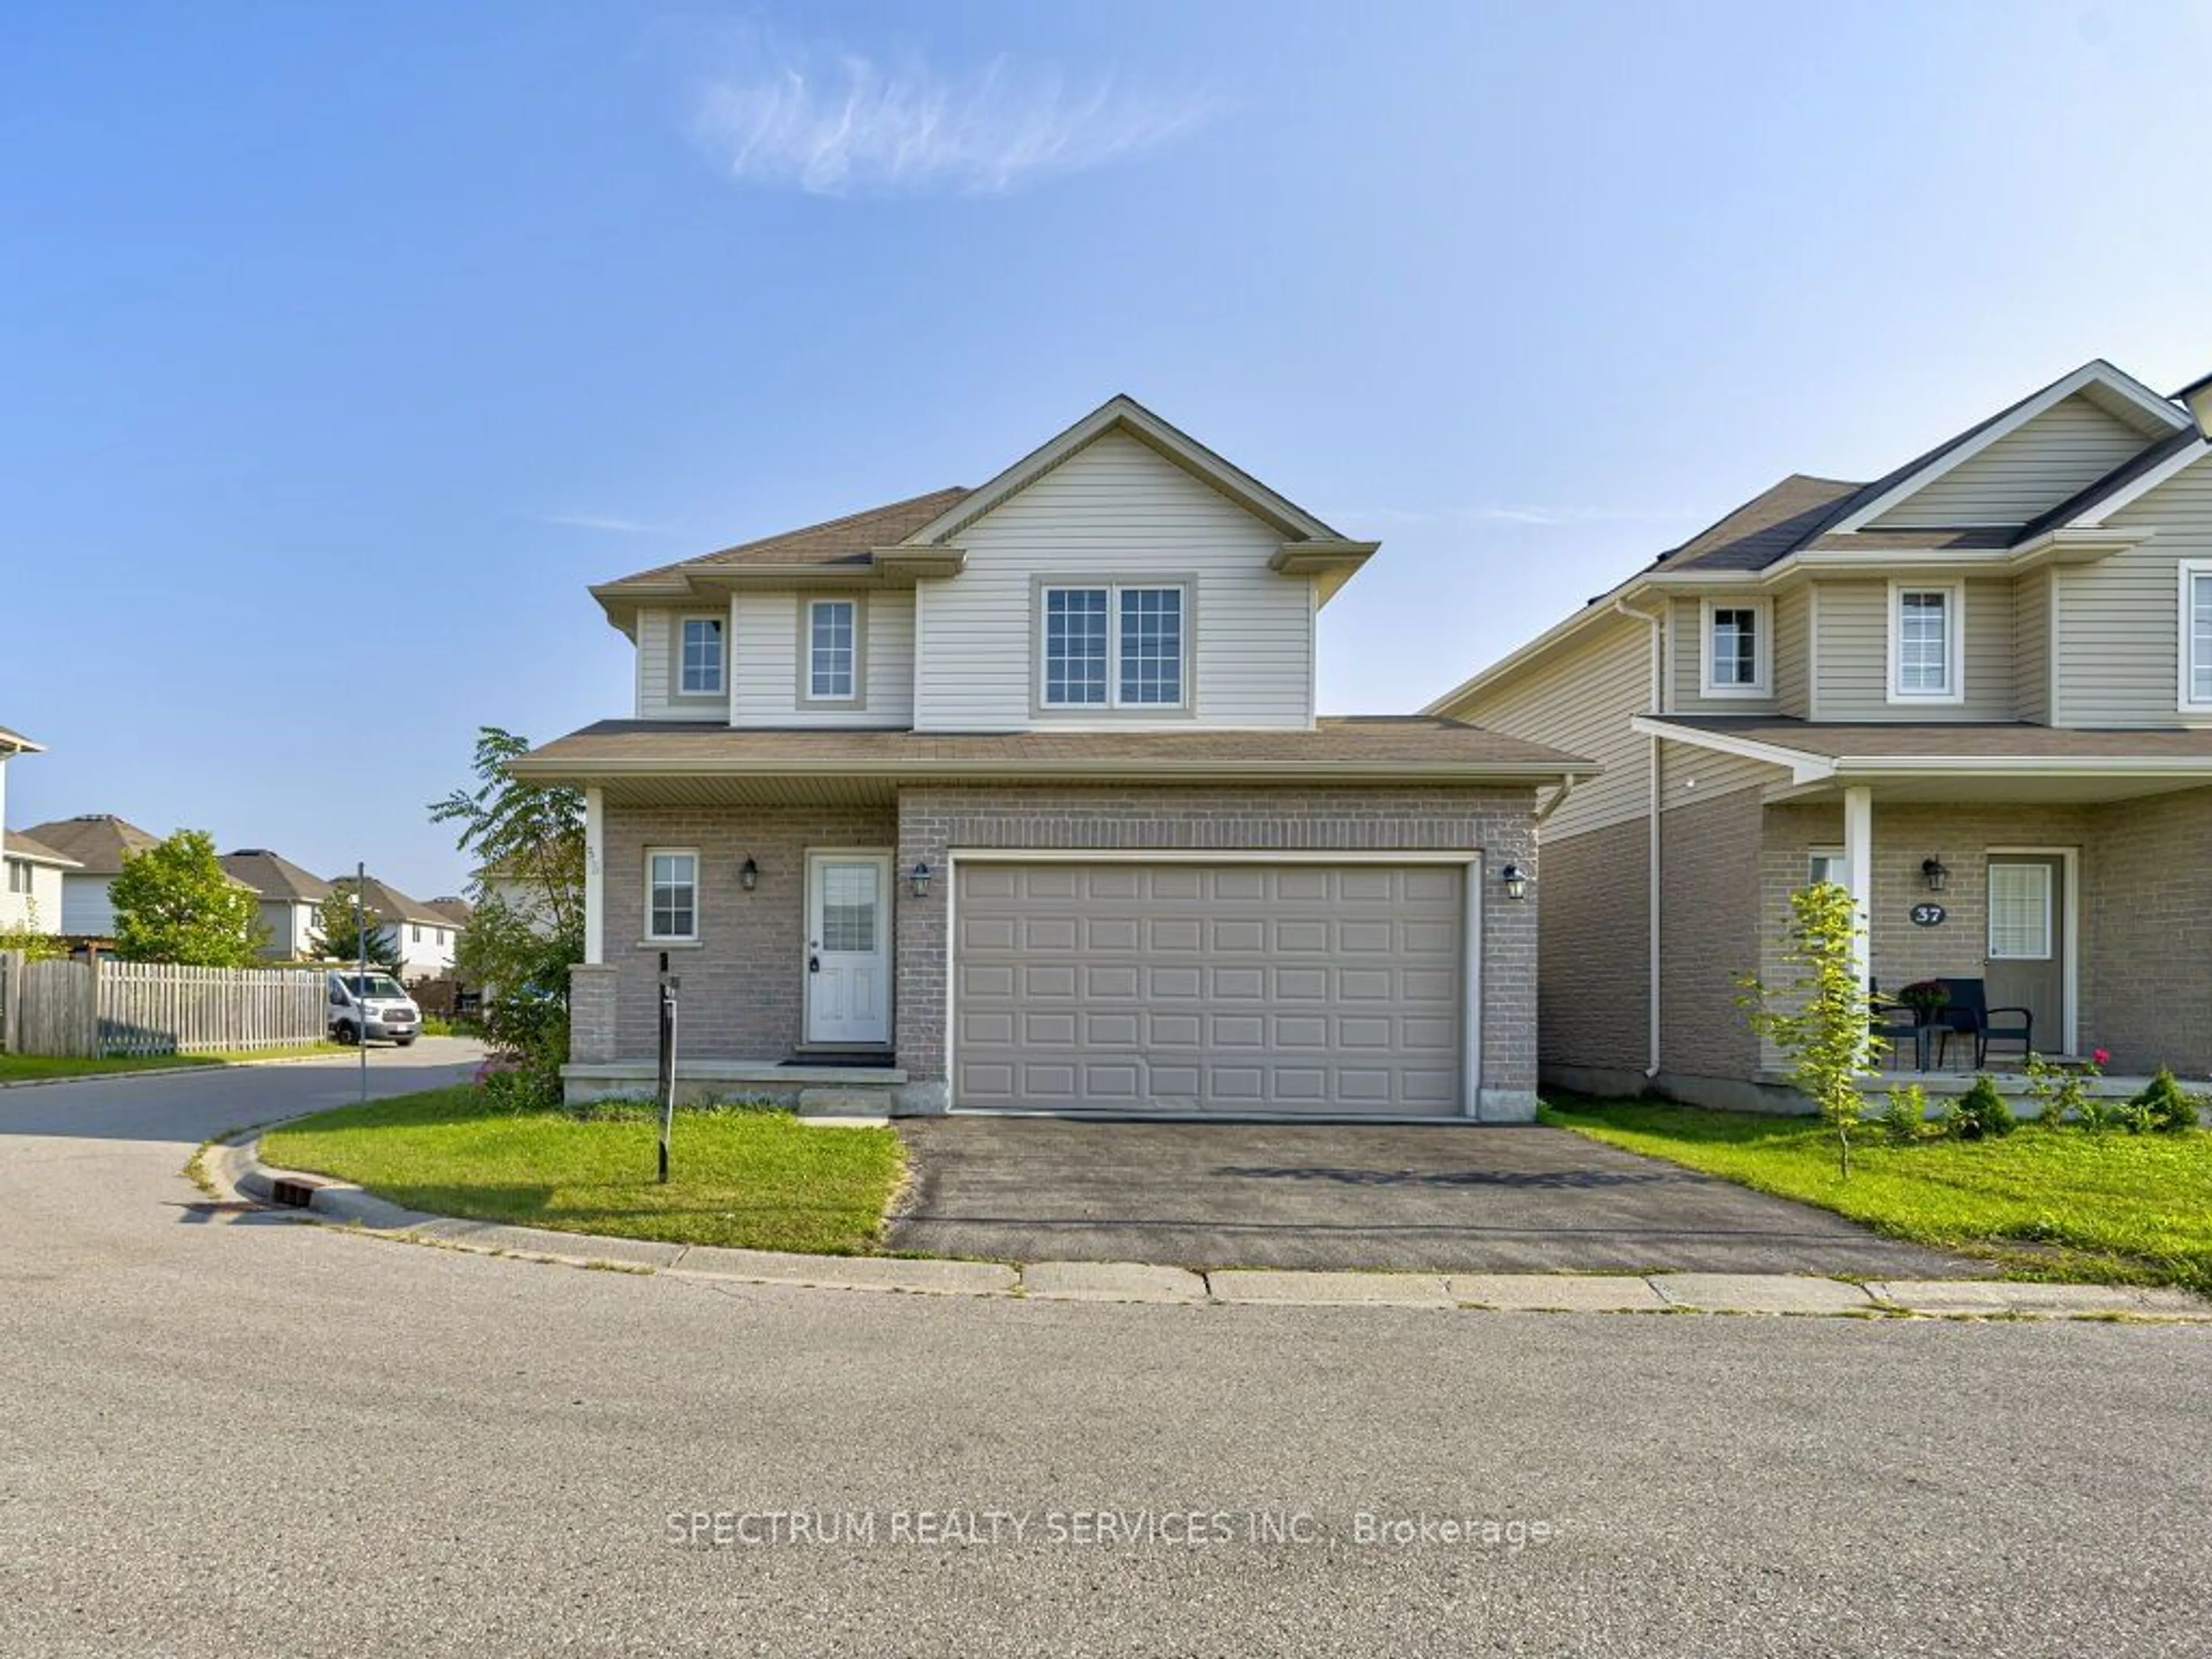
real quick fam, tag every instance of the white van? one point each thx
(374, 1005)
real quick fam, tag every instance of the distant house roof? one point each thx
(454, 908)
(21, 846)
(99, 841)
(275, 876)
(389, 904)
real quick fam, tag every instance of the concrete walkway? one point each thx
(235, 1171)
(1450, 1198)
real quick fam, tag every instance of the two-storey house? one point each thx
(1015, 797)
(291, 900)
(1977, 692)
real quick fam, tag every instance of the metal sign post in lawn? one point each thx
(669, 985)
(360, 945)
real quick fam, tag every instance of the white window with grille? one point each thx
(671, 894)
(1926, 631)
(2020, 923)
(1737, 651)
(832, 629)
(699, 667)
(1114, 647)
(2196, 635)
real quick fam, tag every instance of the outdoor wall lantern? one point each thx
(1933, 872)
(918, 882)
(749, 875)
(1516, 884)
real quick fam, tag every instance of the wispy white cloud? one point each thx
(599, 521)
(831, 122)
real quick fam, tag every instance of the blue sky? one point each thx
(340, 347)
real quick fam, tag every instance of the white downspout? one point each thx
(1657, 623)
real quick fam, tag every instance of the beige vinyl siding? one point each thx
(1792, 613)
(2030, 646)
(765, 668)
(1691, 775)
(1686, 656)
(2119, 620)
(2069, 445)
(656, 661)
(1117, 509)
(1582, 703)
(1854, 655)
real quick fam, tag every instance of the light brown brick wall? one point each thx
(1497, 823)
(1709, 853)
(742, 992)
(1594, 965)
(2147, 902)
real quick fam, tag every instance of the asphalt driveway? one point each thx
(1517, 1200)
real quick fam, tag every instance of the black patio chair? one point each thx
(1892, 1022)
(1968, 1014)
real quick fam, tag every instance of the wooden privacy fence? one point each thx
(83, 1008)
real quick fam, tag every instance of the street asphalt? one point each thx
(241, 1434)
(1483, 1198)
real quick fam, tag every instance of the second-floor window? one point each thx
(832, 649)
(1925, 636)
(699, 665)
(1114, 647)
(2196, 635)
(19, 876)
(1736, 649)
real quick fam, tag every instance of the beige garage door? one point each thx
(1196, 988)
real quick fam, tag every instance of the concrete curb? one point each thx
(200, 1070)
(235, 1170)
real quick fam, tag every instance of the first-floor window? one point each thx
(831, 655)
(700, 668)
(1825, 865)
(2196, 633)
(672, 896)
(1114, 645)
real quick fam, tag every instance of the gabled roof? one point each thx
(275, 876)
(454, 908)
(917, 537)
(99, 841)
(32, 851)
(388, 904)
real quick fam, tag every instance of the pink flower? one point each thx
(2101, 1056)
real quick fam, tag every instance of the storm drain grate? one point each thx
(292, 1195)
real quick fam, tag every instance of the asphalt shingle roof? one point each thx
(837, 541)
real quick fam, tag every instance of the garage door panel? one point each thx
(1181, 987)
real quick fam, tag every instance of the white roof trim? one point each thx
(2096, 373)
(1124, 413)
(2180, 461)
(1804, 767)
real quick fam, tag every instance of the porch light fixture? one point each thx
(918, 882)
(1516, 884)
(1933, 872)
(749, 875)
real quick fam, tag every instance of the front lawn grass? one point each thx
(2052, 1204)
(755, 1179)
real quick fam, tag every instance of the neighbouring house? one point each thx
(455, 910)
(291, 900)
(99, 843)
(423, 939)
(31, 895)
(1976, 692)
(30, 870)
(1015, 797)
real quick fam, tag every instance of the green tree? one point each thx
(340, 925)
(1822, 1019)
(526, 929)
(174, 904)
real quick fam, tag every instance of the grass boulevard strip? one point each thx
(2046, 1204)
(42, 1068)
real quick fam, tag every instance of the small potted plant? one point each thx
(1926, 998)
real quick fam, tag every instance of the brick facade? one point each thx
(1708, 935)
(2146, 903)
(1593, 966)
(742, 992)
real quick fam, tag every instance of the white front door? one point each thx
(848, 947)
